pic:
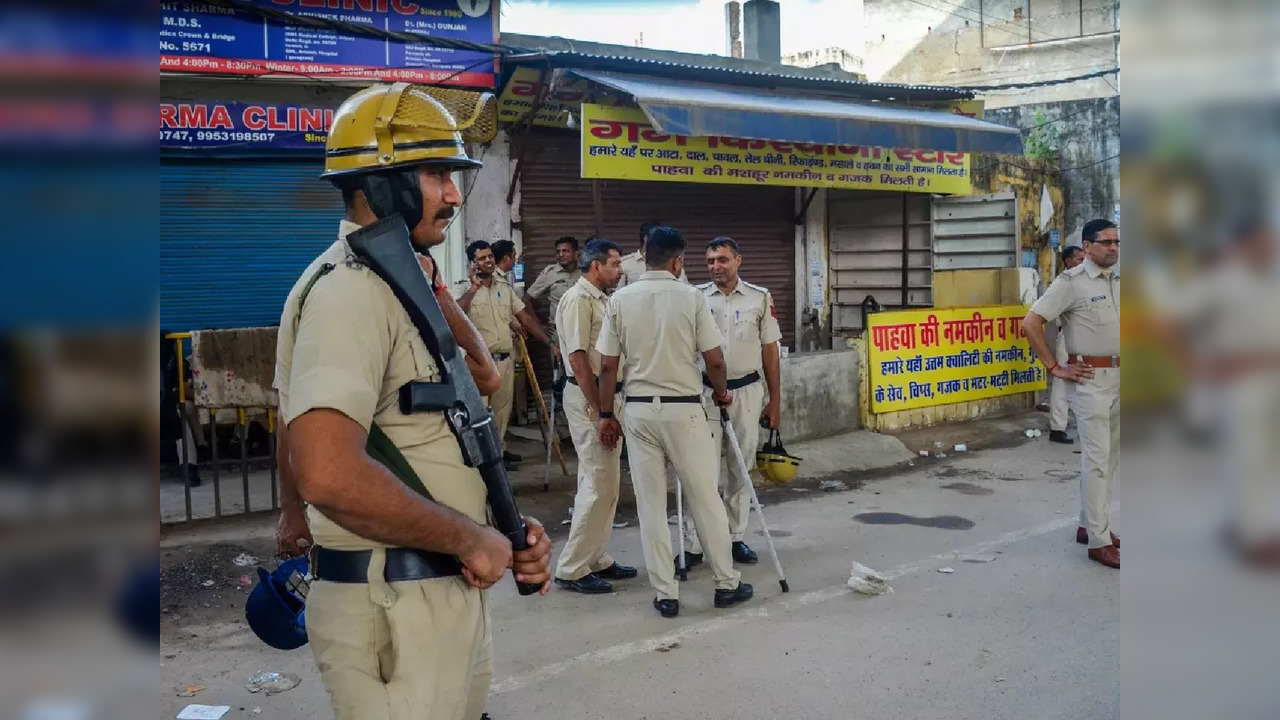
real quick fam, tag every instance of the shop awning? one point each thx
(687, 108)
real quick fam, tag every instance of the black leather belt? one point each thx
(745, 380)
(665, 398)
(499, 357)
(574, 381)
(352, 566)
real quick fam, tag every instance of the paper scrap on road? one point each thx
(272, 682)
(203, 712)
(867, 581)
(946, 570)
(832, 485)
(244, 560)
(190, 690)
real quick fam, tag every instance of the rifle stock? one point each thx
(386, 249)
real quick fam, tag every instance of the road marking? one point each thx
(623, 651)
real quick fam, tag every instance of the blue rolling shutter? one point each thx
(235, 235)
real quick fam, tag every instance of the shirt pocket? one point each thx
(746, 325)
(1099, 311)
(421, 365)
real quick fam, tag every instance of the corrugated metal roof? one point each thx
(699, 109)
(712, 68)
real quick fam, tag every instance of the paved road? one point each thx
(1024, 627)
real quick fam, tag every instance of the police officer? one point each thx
(556, 279)
(504, 260)
(585, 565)
(397, 616)
(748, 325)
(633, 263)
(1086, 300)
(494, 309)
(660, 325)
(1072, 256)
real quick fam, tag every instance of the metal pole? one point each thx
(217, 467)
(186, 461)
(272, 460)
(906, 255)
(755, 499)
(597, 203)
(244, 456)
(683, 571)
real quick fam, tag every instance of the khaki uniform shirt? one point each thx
(746, 321)
(1086, 301)
(493, 307)
(633, 267)
(661, 326)
(553, 282)
(350, 349)
(580, 318)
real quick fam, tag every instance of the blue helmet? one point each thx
(276, 608)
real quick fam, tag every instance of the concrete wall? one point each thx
(968, 288)
(1088, 136)
(967, 42)
(819, 394)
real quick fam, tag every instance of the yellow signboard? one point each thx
(520, 95)
(619, 143)
(919, 358)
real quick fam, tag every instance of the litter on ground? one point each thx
(867, 581)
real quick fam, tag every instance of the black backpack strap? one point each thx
(378, 446)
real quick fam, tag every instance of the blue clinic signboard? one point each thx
(237, 126)
(200, 38)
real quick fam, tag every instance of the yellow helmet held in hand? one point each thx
(774, 463)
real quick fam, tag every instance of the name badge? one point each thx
(1096, 298)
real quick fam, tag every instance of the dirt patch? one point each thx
(200, 584)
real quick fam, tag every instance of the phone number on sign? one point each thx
(236, 136)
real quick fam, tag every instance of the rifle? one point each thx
(386, 249)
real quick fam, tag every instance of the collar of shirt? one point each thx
(346, 227)
(588, 288)
(657, 275)
(714, 289)
(1093, 270)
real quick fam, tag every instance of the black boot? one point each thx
(587, 585)
(729, 598)
(744, 554)
(667, 608)
(1060, 436)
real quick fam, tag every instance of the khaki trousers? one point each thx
(676, 432)
(1096, 404)
(744, 413)
(1058, 390)
(599, 478)
(501, 400)
(417, 650)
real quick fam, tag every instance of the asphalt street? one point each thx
(1022, 626)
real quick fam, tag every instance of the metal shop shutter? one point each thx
(555, 201)
(975, 231)
(236, 234)
(866, 247)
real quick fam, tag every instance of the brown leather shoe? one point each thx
(1107, 555)
(1082, 537)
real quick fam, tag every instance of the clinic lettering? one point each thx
(220, 116)
(379, 6)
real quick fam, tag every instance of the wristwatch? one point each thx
(606, 414)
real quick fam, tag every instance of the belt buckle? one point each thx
(656, 403)
(1115, 361)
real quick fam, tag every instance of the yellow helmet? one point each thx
(398, 125)
(774, 463)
